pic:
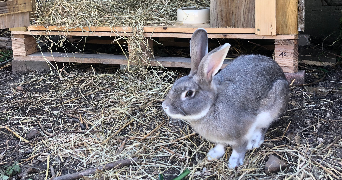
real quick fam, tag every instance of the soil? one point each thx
(311, 127)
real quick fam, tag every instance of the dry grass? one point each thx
(87, 119)
(80, 13)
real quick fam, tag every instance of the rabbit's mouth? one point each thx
(183, 115)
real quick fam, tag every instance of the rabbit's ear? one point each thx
(198, 48)
(212, 62)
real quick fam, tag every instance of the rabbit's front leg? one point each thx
(216, 152)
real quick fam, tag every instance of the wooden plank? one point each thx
(18, 29)
(286, 55)
(175, 35)
(105, 59)
(232, 13)
(265, 17)
(151, 29)
(14, 20)
(287, 16)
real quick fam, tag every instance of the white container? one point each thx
(193, 15)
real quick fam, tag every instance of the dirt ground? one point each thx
(83, 116)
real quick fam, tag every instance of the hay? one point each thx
(86, 13)
(87, 119)
(112, 13)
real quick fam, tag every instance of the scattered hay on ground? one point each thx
(88, 118)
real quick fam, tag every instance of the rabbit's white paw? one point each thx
(255, 141)
(216, 152)
(236, 159)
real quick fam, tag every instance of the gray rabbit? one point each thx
(233, 107)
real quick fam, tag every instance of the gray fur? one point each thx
(235, 98)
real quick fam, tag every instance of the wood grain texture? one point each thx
(287, 16)
(232, 13)
(286, 55)
(147, 29)
(15, 6)
(15, 20)
(265, 17)
(23, 45)
(175, 35)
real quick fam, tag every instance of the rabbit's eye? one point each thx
(189, 93)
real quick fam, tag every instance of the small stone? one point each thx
(33, 133)
(274, 164)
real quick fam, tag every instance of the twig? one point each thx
(117, 132)
(334, 142)
(47, 133)
(16, 134)
(30, 158)
(285, 130)
(116, 165)
(47, 166)
(153, 131)
(184, 137)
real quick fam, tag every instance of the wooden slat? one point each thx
(16, 6)
(232, 13)
(149, 29)
(15, 20)
(175, 35)
(106, 59)
(287, 16)
(265, 17)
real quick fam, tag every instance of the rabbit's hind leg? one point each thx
(216, 152)
(257, 138)
(237, 157)
(256, 132)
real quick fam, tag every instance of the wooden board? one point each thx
(175, 35)
(148, 29)
(265, 17)
(232, 13)
(287, 16)
(15, 6)
(15, 20)
(105, 59)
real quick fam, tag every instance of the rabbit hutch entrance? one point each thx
(141, 29)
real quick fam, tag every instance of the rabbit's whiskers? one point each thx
(184, 114)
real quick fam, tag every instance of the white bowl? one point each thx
(193, 15)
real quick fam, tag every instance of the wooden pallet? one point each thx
(24, 49)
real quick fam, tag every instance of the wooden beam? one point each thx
(23, 45)
(11, 20)
(147, 29)
(265, 17)
(106, 59)
(175, 35)
(287, 16)
(286, 55)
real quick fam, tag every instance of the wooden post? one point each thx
(287, 16)
(274, 17)
(232, 13)
(265, 17)
(23, 45)
(286, 54)
(141, 52)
